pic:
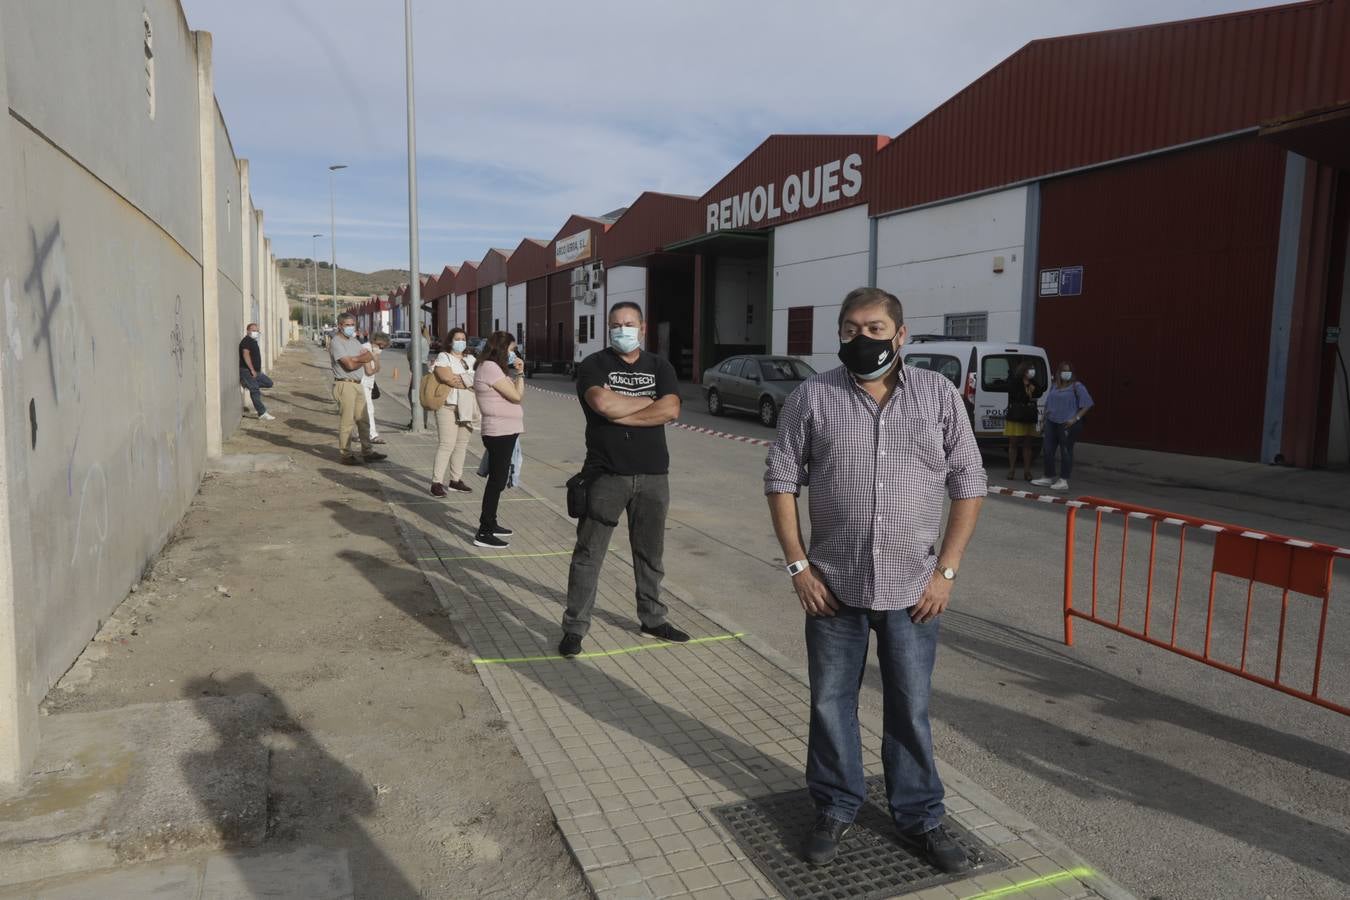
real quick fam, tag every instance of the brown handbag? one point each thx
(432, 392)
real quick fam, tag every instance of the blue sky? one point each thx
(530, 111)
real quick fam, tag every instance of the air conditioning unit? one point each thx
(589, 298)
(597, 274)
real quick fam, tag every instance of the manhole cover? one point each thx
(871, 864)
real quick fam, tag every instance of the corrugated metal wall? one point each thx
(466, 282)
(1064, 103)
(530, 260)
(561, 340)
(492, 268)
(653, 221)
(536, 318)
(1171, 334)
(781, 155)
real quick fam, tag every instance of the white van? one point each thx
(980, 371)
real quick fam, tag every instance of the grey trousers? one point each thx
(645, 498)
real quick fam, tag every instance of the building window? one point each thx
(149, 64)
(592, 327)
(496, 324)
(974, 326)
(801, 328)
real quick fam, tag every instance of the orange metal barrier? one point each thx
(1257, 557)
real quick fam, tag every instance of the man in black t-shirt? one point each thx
(628, 396)
(250, 371)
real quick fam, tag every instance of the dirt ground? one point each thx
(295, 585)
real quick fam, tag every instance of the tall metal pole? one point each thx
(415, 352)
(332, 236)
(314, 268)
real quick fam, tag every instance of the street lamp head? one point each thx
(319, 235)
(335, 168)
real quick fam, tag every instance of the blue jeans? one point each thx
(1059, 437)
(255, 384)
(836, 649)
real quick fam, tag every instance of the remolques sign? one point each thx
(814, 187)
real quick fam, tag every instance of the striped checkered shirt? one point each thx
(876, 478)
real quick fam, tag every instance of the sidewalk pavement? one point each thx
(636, 743)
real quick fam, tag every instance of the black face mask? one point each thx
(868, 358)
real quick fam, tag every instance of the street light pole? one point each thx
(314, 269)
(415, 352)
(332, 236)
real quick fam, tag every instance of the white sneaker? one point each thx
(1060, 485)
(1042, 482)
(267, 417)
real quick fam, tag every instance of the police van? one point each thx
(980, 370)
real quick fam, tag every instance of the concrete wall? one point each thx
(626, 284)
(940, 261)
(515, 310)
(815, 263)
(119, 256)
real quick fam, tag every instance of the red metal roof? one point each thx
(466, 279)
(1063, 103)
(576, 224)
(445, 284)
(428, 287)
(492, 267)
(651, 222)
(531, 259)
(792, 167)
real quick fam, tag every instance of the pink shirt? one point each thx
(500, 416)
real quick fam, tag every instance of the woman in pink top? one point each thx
(499, 388)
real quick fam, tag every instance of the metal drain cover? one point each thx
(872, 863)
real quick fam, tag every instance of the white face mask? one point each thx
(349, 330)
(624, 339)
(1066, 376)
(1031, 373)
(255, 334)
(459, 346)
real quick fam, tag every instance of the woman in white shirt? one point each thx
(455, 420)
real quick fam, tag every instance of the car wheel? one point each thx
(768, 413)
(715, 403)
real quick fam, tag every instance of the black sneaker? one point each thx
(491, 541)
(502, 531)
(666, 632)
(570, 645)
(373, 456)
(822, 844)
(939, 848)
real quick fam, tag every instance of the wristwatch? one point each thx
(947, 572)
(797, 567)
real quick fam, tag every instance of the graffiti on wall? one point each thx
(46, 282)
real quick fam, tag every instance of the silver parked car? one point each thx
(754, 384)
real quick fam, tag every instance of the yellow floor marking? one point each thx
(599, 653)
(1023, 886)
(498, 556)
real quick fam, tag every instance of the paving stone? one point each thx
(698, 879)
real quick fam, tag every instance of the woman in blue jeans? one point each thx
(1066, 402)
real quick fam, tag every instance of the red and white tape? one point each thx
(738, 438)
(1215, 527)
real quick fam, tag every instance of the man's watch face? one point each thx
(948, 573)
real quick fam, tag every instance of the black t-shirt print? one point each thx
(626, 449)
(251, 346)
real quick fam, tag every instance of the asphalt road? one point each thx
(1179, 780)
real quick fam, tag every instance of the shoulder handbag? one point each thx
(374, 390)
(579, 495)
(432, 392)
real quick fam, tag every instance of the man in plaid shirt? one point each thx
(879, 443)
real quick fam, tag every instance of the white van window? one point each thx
(948, 366)
(995, 370)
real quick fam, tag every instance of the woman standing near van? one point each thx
(1019, 426)
(499, 387)
(1066, 403)
(454, 420)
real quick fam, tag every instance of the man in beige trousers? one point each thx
(349, 363)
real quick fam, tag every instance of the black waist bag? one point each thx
(579, 496)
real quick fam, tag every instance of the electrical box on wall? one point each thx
(998, 264)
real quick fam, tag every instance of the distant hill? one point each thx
(295, 274)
